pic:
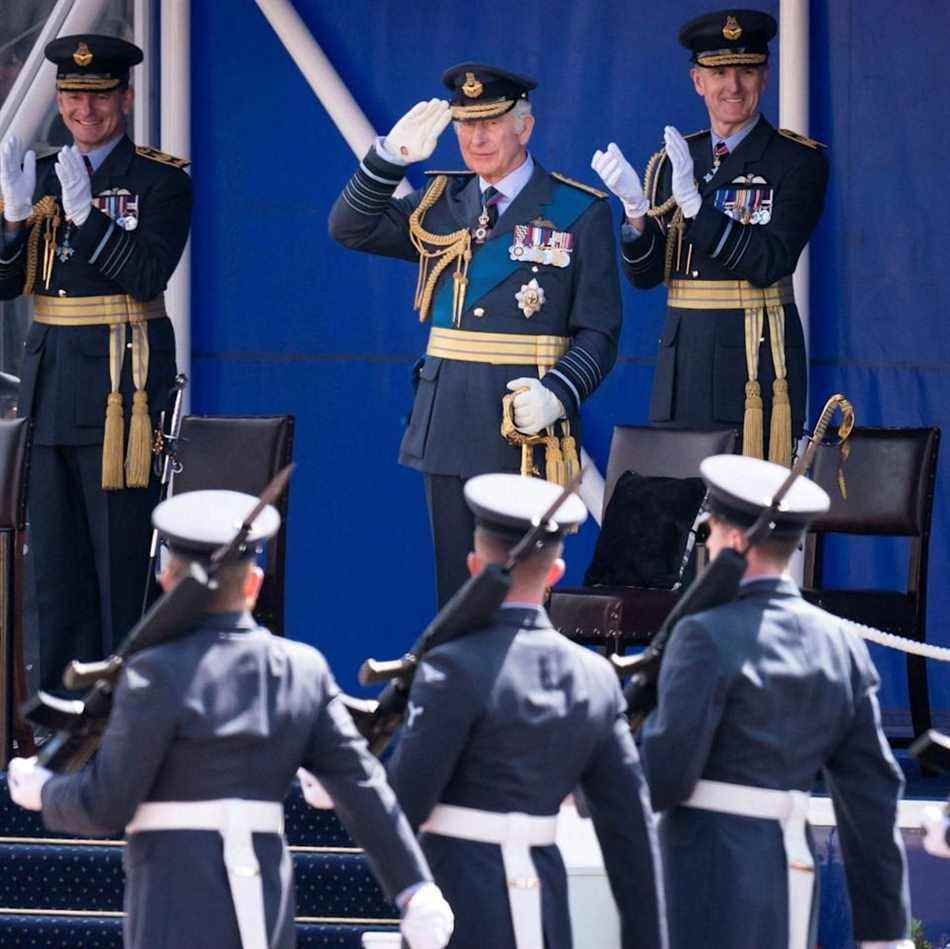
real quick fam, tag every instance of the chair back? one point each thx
(663, 452)
(242, 453)
(888, 479)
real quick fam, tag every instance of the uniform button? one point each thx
(128, 345)
(695, 273)
(478, 311)
(534, 270)
(62, 293)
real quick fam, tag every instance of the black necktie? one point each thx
(88, 164)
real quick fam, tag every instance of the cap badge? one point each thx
(472, 87)
(83, 55)
(732, 30)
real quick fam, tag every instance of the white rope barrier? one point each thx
(893, 641)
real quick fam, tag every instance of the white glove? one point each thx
(535, 409)
(936, 825)
(416, 134)
(620, 178)
(314, 793)
(77, 188)
(17, 183)
(25, 779)
(428, 921)
(684, 184)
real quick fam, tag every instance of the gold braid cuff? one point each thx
(441, 248)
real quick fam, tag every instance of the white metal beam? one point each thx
(176, 139)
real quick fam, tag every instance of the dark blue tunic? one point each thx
(514, 717)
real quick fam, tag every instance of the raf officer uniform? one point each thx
(540, 296)
(732, 348)
(180, 767)
(756, 698)
(100, 353)
(503, 723)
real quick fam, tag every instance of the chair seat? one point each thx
(601, 614)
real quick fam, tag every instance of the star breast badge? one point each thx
(530, 298)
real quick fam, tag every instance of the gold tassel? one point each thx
(553, 462)
(572, 463)
(138, 456)
(752, 426)
(780, 429)
(112, 439)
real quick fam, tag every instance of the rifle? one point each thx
(165, 464)
(79, 723)
(469, 610)
(719, 583)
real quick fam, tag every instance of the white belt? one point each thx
(235, 820)
(515, 834)
(790, 809)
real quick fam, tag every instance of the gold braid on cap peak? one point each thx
(730, 58)
(446, 248)
(482, 110)
(86, 83)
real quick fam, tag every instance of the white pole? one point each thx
(28, 102)
(323, 78)
(793, 113)
(176, 139)
(142, 116)
(793, 110)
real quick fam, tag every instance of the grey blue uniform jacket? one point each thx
(701, 363)
(513, 717)
(65, 373)
(770, 691)
(229, 711)
(454, 428)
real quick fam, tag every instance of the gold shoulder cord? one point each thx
(46, 210)
(673, 229)
(444, 249)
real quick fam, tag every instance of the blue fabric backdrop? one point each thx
(286, 321)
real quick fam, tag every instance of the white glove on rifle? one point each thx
(314, 793)
(25, 779)
(416, 134)
(428, 920)
(536, 408)
(17, 180)
(620, 178)
(76, 185)
(684, 184)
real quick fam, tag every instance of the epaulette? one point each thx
(579, 185)
(146, 151)
(801, 139)
(451, 174)
(696, 134)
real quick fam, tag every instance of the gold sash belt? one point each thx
(497, 349)
(759, 304)
(115, 311)
(727, 294)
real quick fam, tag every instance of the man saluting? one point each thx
(517, 278)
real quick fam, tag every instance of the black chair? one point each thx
(616, 617)
(242, 453)
(889, 480)
(14, 463)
